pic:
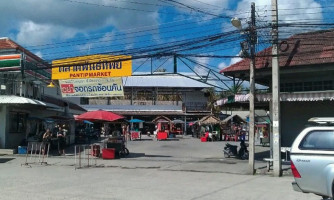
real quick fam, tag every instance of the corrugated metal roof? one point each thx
(138, 109)
(12, 99)
(172, 80)
(135, 108)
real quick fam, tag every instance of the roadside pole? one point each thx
(277, 164)
(251, 133)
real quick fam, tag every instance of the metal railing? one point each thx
(86, 156)
(37, 153)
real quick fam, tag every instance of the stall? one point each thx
(116, 143)
(177, 127)
(262, 133)
(234, 128)
(135, 133)
(209, 127)
(163, 127)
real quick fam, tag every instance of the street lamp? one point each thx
(252, 35)
(236, 23)
(51, 85)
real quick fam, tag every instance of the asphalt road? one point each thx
(183, 168)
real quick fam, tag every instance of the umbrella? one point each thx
(100, 115)
(87, 122)
(135, 120)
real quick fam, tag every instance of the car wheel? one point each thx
(126, 151)
(226, 155)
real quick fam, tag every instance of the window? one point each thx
(84, 101)
(289, 87)
(282, 87)
(17, 122)
(298, 87)
(308, 86)
(317, 85)
(318, 140)
(328, 85)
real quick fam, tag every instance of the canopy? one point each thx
(161, 119)
(87, 122)
(136, 120)
(234, 118)
(99, 115)
(209, 120)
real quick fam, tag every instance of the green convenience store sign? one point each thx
(10, 61)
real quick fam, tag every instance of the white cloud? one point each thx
(38, 22)
(39, 54)
(289, 11)
(203, 61)
(222, 65)
(30, 33)
(214, 7)
(106, 39)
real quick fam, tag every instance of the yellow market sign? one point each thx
(94, 66)
(94, 87)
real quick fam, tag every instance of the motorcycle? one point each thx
(232, 150)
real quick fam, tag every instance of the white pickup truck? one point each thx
(312, 158)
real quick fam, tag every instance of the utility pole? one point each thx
(251, 132)
(277, 162)
(175, 65)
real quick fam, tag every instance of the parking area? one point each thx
(182, 168)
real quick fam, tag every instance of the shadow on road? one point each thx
(4, 160)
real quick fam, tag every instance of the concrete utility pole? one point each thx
(277, 164)
(251, 133)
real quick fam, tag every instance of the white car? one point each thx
(312, 158)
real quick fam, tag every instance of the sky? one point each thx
(55, 29)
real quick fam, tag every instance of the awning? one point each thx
(293, 96)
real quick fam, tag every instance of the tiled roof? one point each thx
(6, 43)
(298, 50)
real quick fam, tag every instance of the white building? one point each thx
(27, 105)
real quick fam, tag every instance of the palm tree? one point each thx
(212, 98)
(233, 90)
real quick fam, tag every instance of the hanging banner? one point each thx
(94, 66)
(94, 87)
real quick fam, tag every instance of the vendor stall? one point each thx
(135, 133)
(177, 127)
(234, 128)
(209, 128)
(163, 127)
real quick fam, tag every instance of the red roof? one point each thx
(298, 50)
(6, 43)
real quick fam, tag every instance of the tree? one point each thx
(212, 98)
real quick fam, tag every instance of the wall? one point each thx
(294, 117)
(195, 101)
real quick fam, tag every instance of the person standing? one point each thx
(61, 141)
(46, 141)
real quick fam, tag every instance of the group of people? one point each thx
(61, 136)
